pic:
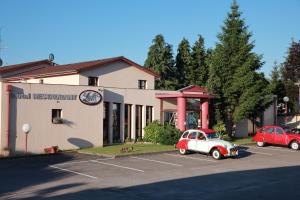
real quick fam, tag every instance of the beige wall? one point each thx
(82, 125)
(66, 80)
(120, 75)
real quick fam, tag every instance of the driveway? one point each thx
(257, 173)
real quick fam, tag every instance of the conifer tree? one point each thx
(160, 59)
(199, 73)
(276, 85)
(291, 75)
(183, 64)
(241, 91)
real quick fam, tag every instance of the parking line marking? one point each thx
(82, 161)
(75, 162)
(78, 173)
(181, 156)
(275, 149)
(255, 152)
(279, 149)
(120, 166)
(157, 161)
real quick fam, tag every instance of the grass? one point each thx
(129, 149)
(239, 141)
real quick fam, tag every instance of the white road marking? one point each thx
(279, 149)
(78, 173)
(181, 156)
(76, 162)
(120, 166)
(82, 161)
(157, 161)
(275, 149)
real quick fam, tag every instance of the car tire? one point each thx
(294, 145)
(216, 154)
(182, 151)
(260, 144)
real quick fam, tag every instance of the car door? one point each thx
(269, 134)
(202, 142)
(279, 136)
(192, 143)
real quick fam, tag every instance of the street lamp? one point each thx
(26, 128)
(286, 100)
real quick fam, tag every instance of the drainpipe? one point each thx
(8, 89)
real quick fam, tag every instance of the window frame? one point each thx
(57, 116)
(142, 86)
(95, 81)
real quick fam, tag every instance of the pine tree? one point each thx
(199, 73)
(241, 91)
(291, 75)
(292, 62)
(183, 64)
(160, 59)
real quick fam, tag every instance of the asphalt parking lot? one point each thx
(257, 173)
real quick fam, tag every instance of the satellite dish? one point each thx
(1, 62)
(51, 57)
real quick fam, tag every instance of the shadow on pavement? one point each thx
(271, 183)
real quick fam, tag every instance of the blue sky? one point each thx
(81, 30)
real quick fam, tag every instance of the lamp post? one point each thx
(26, 128)
(286, 100)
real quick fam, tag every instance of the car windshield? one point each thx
(212, 135)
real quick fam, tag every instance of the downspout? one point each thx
(8, 89)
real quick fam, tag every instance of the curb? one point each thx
(30, 156)
(128, 155)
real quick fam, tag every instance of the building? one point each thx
(86, 104)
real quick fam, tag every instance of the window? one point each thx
(138, 121)
(184, 135)
(105, 122)
(116, 122)
(201, 136)
(279, 131)
(192, 135)
(269, 130)
(142, 84)
(148, 114)
(93, 81)
(127, 122)
(57, 116)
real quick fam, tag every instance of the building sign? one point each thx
(90, 97)
(40, 96)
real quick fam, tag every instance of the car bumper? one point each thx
(232, 152)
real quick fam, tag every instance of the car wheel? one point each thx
(182, 151)
(295, 145)
(260, 144)
(216, 154)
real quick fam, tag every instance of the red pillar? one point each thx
(204, 109)
(181, 113)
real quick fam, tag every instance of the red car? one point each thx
(276, 135)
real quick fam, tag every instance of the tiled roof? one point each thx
(77, 67)
(12, 68)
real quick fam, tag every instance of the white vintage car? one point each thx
(206, 141)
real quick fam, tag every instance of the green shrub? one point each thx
(170, 135)
(152, 132)
(220, 128)
(163, 134)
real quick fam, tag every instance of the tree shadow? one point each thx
(23, 172)
(80, 143)
(271, 183)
